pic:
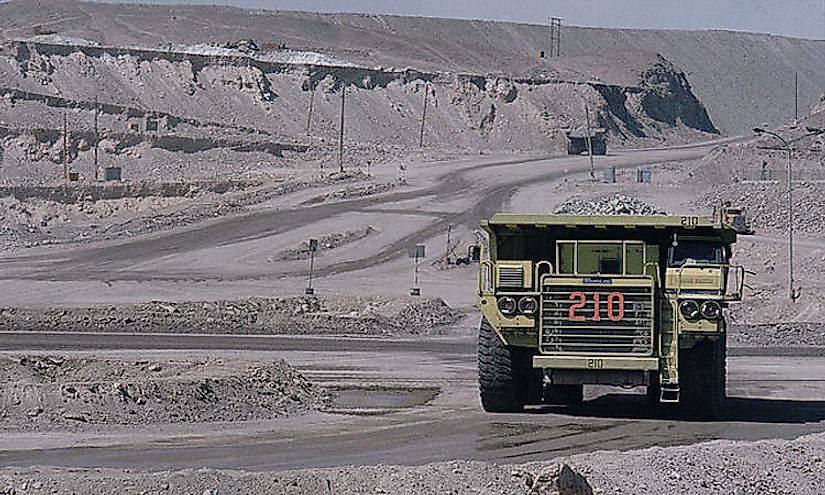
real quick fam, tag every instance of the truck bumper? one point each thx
(597, 362)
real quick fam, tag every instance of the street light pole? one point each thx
(791, 291)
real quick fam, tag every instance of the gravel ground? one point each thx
(741, 468)
(787, 467)
(42, 392)
(779, 334)
(766, 205)
(452, 478)
(294, 315)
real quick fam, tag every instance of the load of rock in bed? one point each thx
(276, 316)
(39, 391)
(617, 204)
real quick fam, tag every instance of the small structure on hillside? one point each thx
(577, 140)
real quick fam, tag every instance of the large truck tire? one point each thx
(702, 375)
(506, 378)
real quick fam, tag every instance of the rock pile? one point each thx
(779, 334)
(618, 204)
(766, 204)
(290, 315)
(43, 391)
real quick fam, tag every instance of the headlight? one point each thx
(689, 309)
(507, 305)
(711, 310)
(528, 306)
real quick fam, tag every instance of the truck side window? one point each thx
(635, 259)
(567, 257)
(694, 252)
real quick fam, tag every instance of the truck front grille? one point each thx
(625, 329)
(511, 277)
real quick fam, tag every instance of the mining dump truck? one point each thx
(568, 301)
(735, 217)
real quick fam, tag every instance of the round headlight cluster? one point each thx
(528, 305)
(693, 310)
(509, 306)
(689, 309)
(711, 310)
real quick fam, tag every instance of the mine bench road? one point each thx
(469, 192)
(774, 394)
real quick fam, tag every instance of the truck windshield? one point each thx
(694, 252)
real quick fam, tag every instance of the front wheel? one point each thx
(702, 378)
(506, 378)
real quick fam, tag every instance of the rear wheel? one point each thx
(506, 378)
(702, 377)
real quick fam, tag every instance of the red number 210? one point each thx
(615, 306)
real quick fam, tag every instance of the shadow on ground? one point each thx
(737, 409)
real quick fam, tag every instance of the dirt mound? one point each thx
(292, 315)
(325, 243)
(617, 204)
(43, 391)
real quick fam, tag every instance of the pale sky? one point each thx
(799, 18)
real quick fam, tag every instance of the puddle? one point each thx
(379, 400)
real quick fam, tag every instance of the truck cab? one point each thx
(568, 301)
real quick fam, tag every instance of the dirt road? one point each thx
(406, 402)
(233, 255)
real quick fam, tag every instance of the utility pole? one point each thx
(449, 231)
(796, 97)
(65, 145)
(313, 247)
(590, 143)
(97, 137)
(341, 130)
(555, 36)
(309, 114)
(792, 293)
(423, 116)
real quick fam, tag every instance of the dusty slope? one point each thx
(257, 110)
(743, 78)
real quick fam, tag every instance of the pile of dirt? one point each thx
(325, 243)
(617, 204)
(355, 192)
(787, 467)
(277, 316)
(40, 392)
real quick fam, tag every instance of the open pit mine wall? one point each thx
(249, 105)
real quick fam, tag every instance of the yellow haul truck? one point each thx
(611, 300)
